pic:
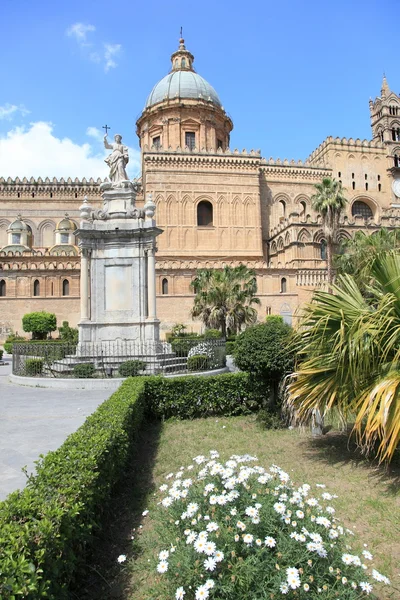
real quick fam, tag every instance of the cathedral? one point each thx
(216, 205)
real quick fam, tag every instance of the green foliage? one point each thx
(198, 362)
(182, 346)
(269, 419)
(84, 370)
(357, 255)
(1, 354)
(46, 530)
(33, 366)
(178, 330)
(212, 334)
(224, 298)
(349, 356)
(263, 350)
(39, 323)
(329, 201)
(68, 334)
(192, 397)
(230, 347)
(8, 344)
(262, 538)
(131, 368)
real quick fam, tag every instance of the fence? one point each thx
(117, 359)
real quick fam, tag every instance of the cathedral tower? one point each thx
(385, 122)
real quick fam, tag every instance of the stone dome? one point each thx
(66, 224)
(180, 85)
(18, 225)
(182, 82)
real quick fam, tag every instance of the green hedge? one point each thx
(192, 397)
(34, 366)
(198, 362)
(45, 530)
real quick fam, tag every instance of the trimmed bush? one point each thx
(84, 370)
(230, 347)
(131, 368)
(8, 344)
(212, 334)
(193, 397)
(33, 366)
(1, 354)
(46, 530)
(39, 323)
(198, 362)
(181, 346)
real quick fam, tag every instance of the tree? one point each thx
(225, 298)
(39, 323)
(264, 350)
(329, 202)
(349, 356)
(357, 255)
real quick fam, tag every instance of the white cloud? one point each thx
(79, 31)
(107, 55)
(36, 152)
(7, 111)
(110, 52)
(94, 133)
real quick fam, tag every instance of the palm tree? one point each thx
(329, 202)
(225, 298)
(357, 254)
(349, 356)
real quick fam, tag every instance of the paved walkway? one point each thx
(34, 421)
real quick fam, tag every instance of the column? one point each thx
(151, 284)
(84, 285)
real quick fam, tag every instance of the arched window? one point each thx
(36, 287)
(204, 214)
(183, 63)
(164, 286)
(323, 250)
(362, 209)
(65, 287)
(282, 208)
(303, 208)
(3, 287)
(283, 285)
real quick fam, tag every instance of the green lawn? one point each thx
(368, 503)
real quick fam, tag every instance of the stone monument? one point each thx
(118, 244)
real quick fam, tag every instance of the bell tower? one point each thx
(385, 122)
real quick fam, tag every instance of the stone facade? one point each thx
(215, 205)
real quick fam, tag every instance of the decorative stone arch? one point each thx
(170, 210)
(222, 210)
(248, 211)
(46, 231)
(369, 201)
(205, 214)
(319, 236)
(281, 201)
(287, 239)
(343, 235)
(280, 244)
(304, 236)
(274, 248)
(236, 204)
(4, 225)
(286, 313)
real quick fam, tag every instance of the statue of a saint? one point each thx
(117, 160)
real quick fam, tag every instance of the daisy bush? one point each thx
(233, 530)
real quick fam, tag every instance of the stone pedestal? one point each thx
(118, 244)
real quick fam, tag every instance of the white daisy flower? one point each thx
(270, 542)
(209, 548)
(366, 587)
(180, 592)
(163, 555)
(209, 584)
(219, 556)
(210, 564)
(121, 558)
(202, 593)
(212, 526)
(284, 588)
(248, 538)
(162, 566)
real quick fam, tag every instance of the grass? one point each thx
(368, 503)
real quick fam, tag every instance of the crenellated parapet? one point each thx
(346, 144)
(47, 187)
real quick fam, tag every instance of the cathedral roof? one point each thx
(182, 82)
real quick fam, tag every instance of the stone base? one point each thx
(144, 331)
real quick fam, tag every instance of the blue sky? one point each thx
(288, 73)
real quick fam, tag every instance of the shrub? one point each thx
(33, 366)
(46, 529)
(193, 397)
(230, 347)
(84, 370)
(198, 362)
(181, 346)
(1, 354)
(8, 344)
(212, 334)
(39, 323)
(269, 420)
(131, 368)
(178, 330)
(215, 354)
(263, 350)
(262, 536)
(68, 334)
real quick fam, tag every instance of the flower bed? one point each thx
(236, 530)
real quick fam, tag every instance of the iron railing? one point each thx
(117, 358)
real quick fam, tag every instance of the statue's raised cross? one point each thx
(106, 127)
